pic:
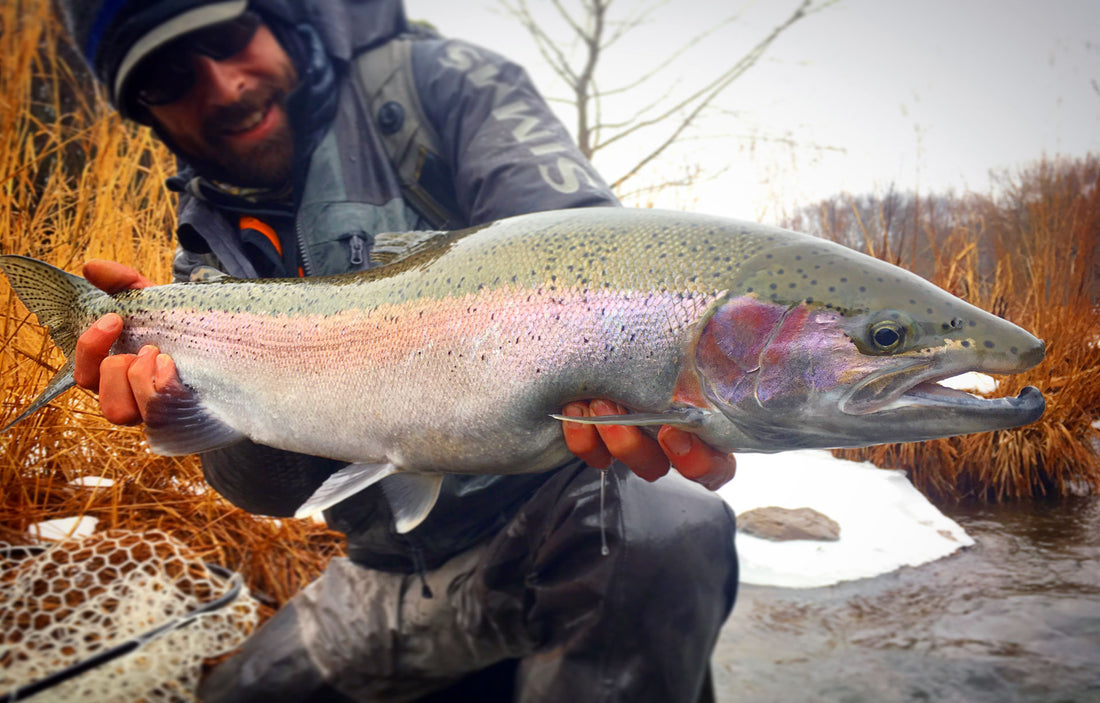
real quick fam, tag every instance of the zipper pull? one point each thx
(358, 247)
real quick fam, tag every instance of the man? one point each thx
(285, 173)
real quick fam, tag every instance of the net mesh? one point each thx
(81, 597)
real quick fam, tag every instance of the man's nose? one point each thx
(222, 82)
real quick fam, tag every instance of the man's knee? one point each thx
(680, 538)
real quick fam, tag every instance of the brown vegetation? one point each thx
(77, 183)
(1031, 254)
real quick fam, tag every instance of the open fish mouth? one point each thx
(935, 395)
(891, 393)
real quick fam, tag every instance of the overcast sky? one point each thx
(926, 95)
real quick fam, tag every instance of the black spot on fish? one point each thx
(987, 344)
(966, 343)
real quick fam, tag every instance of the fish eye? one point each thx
(887, 335)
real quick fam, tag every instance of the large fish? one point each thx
(456, 356)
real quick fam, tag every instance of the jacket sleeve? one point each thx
(507, 151)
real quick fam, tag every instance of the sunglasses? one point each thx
(168, 73)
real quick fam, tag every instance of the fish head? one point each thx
(825, 347)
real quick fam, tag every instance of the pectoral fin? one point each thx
(177, 423)
(344, 484)
(412, 497)
(677, 417)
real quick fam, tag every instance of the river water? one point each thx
(1013, 619)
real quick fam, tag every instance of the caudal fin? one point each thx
(58, 299)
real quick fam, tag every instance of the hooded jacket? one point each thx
(502, 153)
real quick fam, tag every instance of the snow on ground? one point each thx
(885, 523)
(92, 482)
(63, 528)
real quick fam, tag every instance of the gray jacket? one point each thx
(501, 153)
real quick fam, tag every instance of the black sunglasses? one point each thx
(165, 75)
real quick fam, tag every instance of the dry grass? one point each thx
(77, 183)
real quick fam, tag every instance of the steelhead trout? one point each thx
(457, 355)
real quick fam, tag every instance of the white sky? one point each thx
(927, 95)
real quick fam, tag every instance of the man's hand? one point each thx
(125, 382)
(598, 445)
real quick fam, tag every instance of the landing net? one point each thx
(78, 599)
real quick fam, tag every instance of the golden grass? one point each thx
(77, 183)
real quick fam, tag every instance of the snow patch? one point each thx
(885, 523)
(63, 527)
(92, 482)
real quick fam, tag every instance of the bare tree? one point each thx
(665, 119)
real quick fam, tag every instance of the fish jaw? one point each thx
(804, 376)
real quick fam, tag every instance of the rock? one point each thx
(785, 524)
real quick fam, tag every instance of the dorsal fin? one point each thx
(391, 247)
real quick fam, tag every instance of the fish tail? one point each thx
(59, 300)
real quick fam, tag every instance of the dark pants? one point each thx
(638, 624)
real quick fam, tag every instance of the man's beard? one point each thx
(265, 164)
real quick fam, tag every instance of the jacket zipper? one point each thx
(358, 246)
(303, 256)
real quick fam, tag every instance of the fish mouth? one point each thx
(1028, 404)
(917, 388)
